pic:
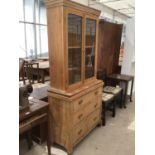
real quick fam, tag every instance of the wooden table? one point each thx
(123, 78)
(43, 58)
(36, 115)
(43, 69)
(40, 92)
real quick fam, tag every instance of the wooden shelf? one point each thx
(89, 66)
(74, 47)
(91, 46)
(73, 68)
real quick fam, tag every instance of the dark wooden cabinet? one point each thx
(109, 46)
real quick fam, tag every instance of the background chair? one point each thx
(32, 72)
(21, 70)
(109, 88)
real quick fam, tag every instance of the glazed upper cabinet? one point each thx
(72, 41)
(81, 48)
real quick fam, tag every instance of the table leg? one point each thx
(42, 76)
(113, 108)
(48, 138)
(29, 139)
(48, 147)
(103, 114)
(131, 90)
(125, 94)
(38, 76)
(121, 100)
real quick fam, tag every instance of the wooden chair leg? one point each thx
(114, 108)
(121, 100)
(131, 90)
(103, 114)
(38, 80)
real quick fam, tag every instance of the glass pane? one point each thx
(90, 48)
(30, 41)
(36, 11)
(20, 14)
(38, 41)
(22, 50)
(44, 41)
(29, 10)
(74, 48)
(43, 16)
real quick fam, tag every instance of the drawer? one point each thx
(97, 92)
(31, 122)
(80, 103)
(39, 119)
(79, 131)
(79, 116)
(95, 104)
(93, 119)
(86, 99)
(23, 127)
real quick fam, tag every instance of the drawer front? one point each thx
(39, 119)
(86, 99)
(79, 131)
(82, 102)
(79, 116)
(86, 105)
(95, 104)
(98, 92)
(32, 122)
(93, 119)
(23, 127)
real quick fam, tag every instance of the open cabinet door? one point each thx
(109, 46)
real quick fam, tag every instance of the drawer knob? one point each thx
(96, 92)
(80, 102)
(80, 116)
(80, 132)
(95, 118)
(95, 105)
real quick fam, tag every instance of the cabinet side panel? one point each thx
(55, 43)
(60, 115)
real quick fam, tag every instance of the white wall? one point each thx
(85, 2)
(106, 12)
(128, 64)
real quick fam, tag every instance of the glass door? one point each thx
(74, 48)
(90, 48)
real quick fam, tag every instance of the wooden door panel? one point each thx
(109, 46)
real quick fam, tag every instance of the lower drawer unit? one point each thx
(73, 117)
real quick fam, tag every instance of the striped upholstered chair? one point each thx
(116, 91)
